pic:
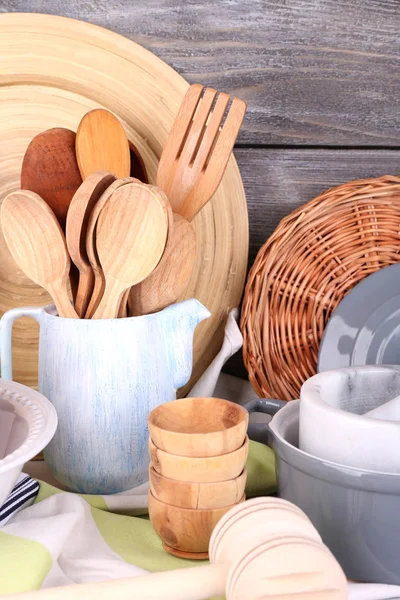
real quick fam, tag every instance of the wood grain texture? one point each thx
(50, 169)
(80, 209)
(198, 427)
(277, 181)
(197, 495)
(131, 234)
(170, 278)
(101, 144)
(202, 470)
(311, 72)
(198, 148)
(184, 529)
(37, 244)
(91, 250)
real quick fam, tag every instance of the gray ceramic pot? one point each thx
(355, 511)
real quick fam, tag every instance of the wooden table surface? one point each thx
(321, 79)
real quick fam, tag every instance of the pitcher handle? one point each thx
(260, 431)
(6, 323)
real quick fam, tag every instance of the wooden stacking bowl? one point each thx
(195, 495)
(202, 470)
(185, 532)
(198, 427)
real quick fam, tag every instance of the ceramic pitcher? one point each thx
(103, 377)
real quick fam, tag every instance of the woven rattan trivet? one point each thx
(315, 256)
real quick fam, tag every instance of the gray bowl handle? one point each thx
(259, 432)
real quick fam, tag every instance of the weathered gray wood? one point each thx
(320, 72)
(277, 181)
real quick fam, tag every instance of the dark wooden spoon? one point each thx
(51, 170)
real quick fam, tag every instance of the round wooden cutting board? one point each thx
(52, 71)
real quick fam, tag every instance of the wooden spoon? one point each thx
(91, 250)
(130, 238)
(102, 145)
(37, 244)
(80, 209)
(170, 278)
(197, 150)
(50, 169)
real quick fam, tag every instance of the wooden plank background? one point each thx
(321, 79)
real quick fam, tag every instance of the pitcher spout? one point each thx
(180, 322)
(192, 310)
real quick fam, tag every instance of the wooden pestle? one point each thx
(274, 556)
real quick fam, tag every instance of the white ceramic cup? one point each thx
(333, 423)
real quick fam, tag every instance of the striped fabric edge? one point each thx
(24, 491)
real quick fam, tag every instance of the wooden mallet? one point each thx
(263, 548)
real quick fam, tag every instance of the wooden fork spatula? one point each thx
(197, 151)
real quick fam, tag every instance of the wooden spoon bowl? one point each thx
(195, 495)
(131, 234)
(198, 427)
(102, 145)
(171, 276)
(202, 470)
(185, 532)
(51, 170)
(91, 250)
(37, 244)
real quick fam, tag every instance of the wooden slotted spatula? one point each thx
(197, 151)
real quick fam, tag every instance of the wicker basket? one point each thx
(315, 256)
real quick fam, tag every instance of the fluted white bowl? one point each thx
(28, 421)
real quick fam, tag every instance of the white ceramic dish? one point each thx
(334, 420)
(34, 421)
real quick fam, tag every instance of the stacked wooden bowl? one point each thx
(198, 450)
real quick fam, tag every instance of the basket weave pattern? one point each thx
(314, 257)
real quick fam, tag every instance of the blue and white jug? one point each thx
(103, 377)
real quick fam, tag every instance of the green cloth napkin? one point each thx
(28, 553)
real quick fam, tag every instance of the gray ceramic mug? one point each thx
(355, 511)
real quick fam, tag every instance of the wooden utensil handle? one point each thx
(97, 294)
(196, 583)
(110, 302)
(59, 292)
(84, 293)
(123, 307)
